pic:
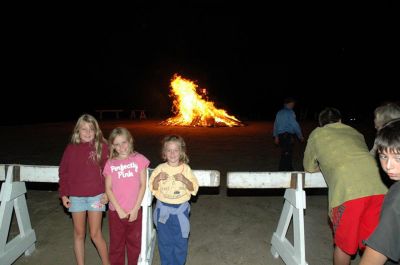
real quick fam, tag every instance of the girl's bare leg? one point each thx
(95, 219)
(79, 219)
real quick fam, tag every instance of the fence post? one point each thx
(148, 230)
(295, 203)
(12, 197)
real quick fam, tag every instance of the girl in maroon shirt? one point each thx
(81, 185)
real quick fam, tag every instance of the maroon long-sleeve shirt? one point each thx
(79, 174)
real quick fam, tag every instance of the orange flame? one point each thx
(192, 109)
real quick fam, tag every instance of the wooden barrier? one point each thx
(116, 111)
(206, 178)
(271, 180)
(13, 193)
(294, 205)
(12, 197)
(138, 112)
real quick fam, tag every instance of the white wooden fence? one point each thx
(13, 191)
(12, 196)
(294, 205)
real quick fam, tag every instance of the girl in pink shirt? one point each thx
(125, 175)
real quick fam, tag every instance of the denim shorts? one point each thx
(82, 204)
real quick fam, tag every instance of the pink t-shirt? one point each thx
(125, 179)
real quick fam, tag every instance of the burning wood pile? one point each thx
(194, 109)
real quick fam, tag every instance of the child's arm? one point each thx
(104, 199)
(310, 162)
(180, 177)
(121, 213)
(142, 189)
(158, 178)
(63, 173)
(65, 201)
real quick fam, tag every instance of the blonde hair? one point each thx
(120, 131)
(98, 134)
(183, 157)
(386, 113)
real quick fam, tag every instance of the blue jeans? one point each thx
(173, 248)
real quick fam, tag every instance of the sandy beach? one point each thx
(227, 226)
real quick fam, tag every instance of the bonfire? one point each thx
(193, 109)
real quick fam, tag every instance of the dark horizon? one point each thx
(76, 66)
(248, 97)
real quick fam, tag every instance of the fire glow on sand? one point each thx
(193, 109)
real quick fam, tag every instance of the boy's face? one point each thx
(390, 163)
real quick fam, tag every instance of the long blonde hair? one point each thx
(98, 134)
(120, 131)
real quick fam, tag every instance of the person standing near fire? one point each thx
(173, 184)
(286, 129)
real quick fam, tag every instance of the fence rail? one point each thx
(12, 196)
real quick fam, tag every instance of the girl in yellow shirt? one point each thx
(173, 183)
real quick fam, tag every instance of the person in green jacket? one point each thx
(355, 188)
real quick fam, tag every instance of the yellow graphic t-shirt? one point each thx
(170, 190)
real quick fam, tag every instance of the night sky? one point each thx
(247, 61)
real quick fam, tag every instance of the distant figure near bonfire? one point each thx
(286, 129)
